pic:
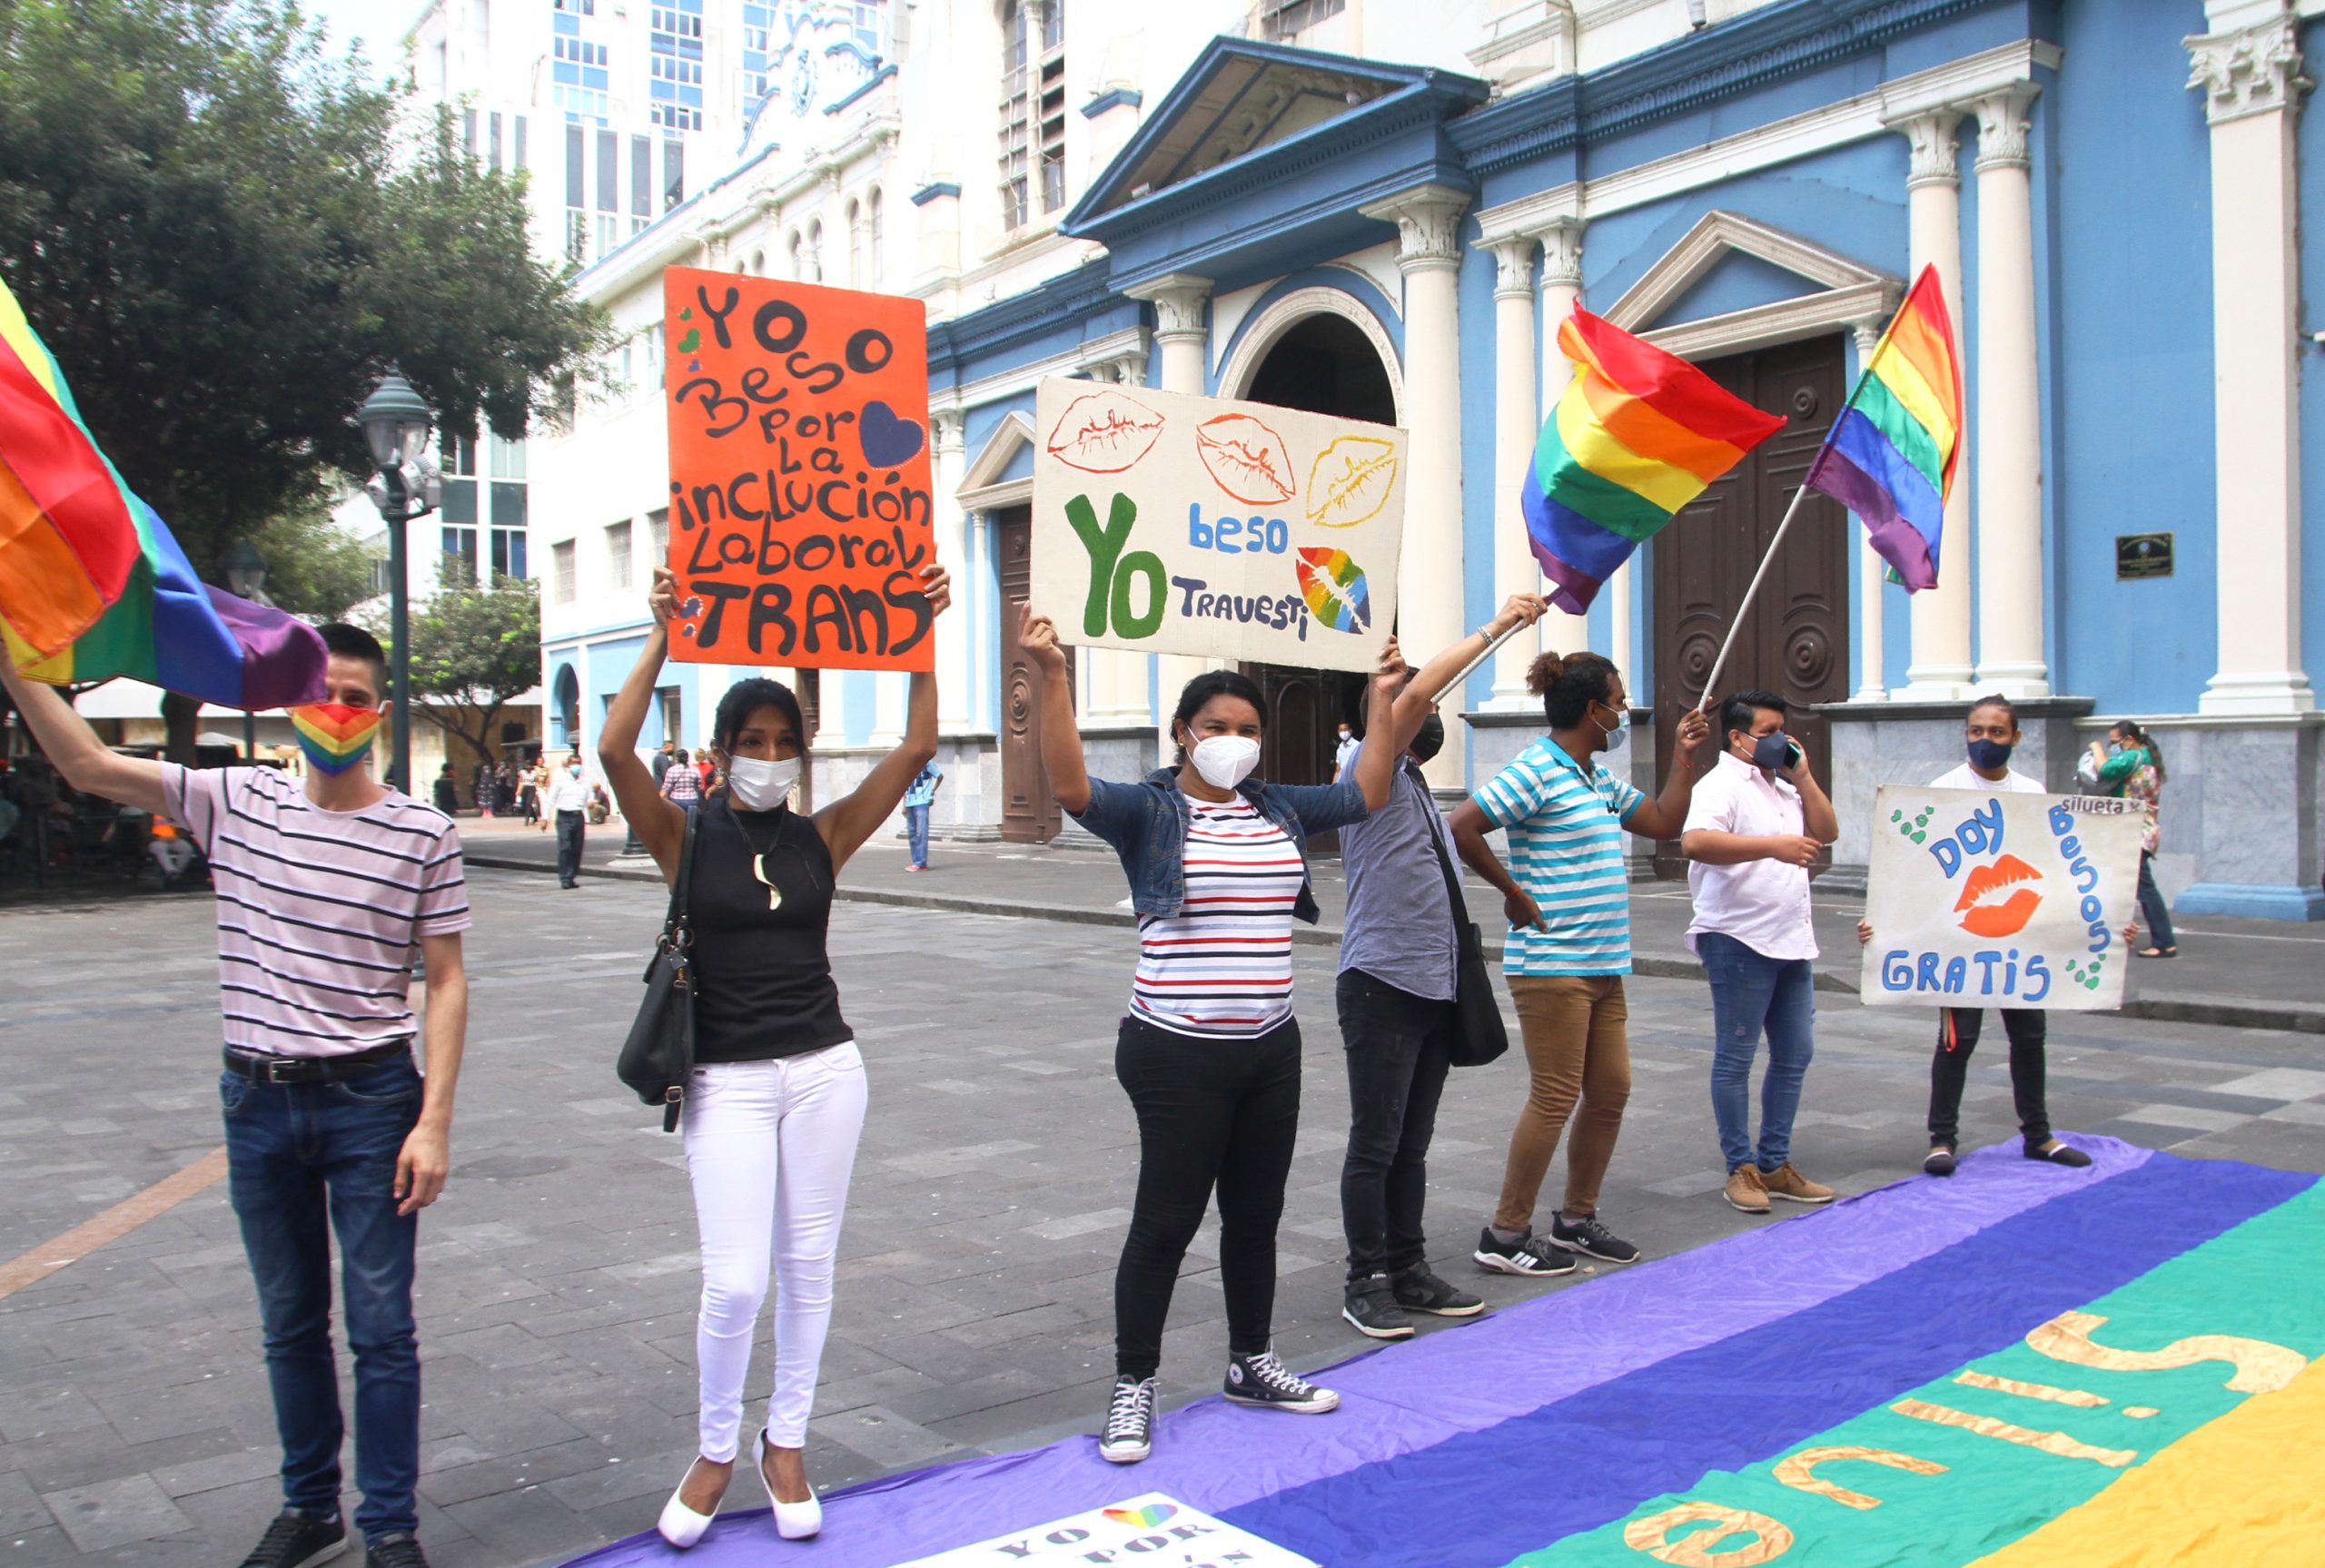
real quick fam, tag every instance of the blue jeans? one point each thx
(1751, 992)
(916, 833)
(305, 1161)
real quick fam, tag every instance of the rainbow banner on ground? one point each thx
(1637, 435)
(2022, 1366)
(1891, 456)
(91, 584)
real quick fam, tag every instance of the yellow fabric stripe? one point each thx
(17, 333)
(56, 670)
(1916, 395)
(1912, 336)
(1595, 447)
(2247, 1489)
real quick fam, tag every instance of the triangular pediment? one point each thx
(1715, 238)
(1003, 465)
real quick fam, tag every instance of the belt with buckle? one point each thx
(266, 1067)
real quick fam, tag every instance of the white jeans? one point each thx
(769, 1147)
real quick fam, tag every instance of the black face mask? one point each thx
(1430, 739)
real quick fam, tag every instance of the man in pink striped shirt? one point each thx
(326, 890)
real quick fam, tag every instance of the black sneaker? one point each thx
(395, 1552)
(1129, 1436)
(295, 1541)
(1592, 1240)
(2065, 1154)
(1939, 1161)
(1263, 1380)
(1420, 1290)
(1531, 1255)
(1371, 1309)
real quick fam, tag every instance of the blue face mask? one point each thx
(1986, 756)
(1770, 754)
(1620, 733)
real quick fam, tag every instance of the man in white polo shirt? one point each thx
(326, 889)
(1756, 824)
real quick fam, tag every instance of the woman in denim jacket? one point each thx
(1208, 1052)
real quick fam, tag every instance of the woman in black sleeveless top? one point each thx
(776, 1103)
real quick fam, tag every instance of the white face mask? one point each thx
(1225, 760)
(759, 785)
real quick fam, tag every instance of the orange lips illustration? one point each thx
(1105, 433)
(1997, 901)
(1250, 460)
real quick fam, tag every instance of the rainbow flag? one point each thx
(1891, 456)
(2020, 1366)
(91, 584)
(1637, 436)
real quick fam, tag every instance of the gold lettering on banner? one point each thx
(2031, 1390)
(1696, 1551)
(1799, 1472)
(2057, 1442)
(2261, 1367)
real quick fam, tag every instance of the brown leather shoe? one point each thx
(1745, 1190)
(1788, 1184)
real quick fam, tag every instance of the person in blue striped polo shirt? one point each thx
(1570, 946)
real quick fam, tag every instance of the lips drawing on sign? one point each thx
(1998, 900)
(1248, 459)
(888, 438)
(1335, 589)
(1349, 482)
(1105, 433)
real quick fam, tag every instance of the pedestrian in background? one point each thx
(681, 786)
(447, 791)
(1396, 998)
(569, 800)
(918, 800)
(1757, 823)
(1569, 946)
(1209, 1050)
(529, 793)
(327, 889)
(2129, 765)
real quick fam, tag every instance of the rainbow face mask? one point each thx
(334, 736)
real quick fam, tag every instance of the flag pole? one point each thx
(1483, 655)
(1745, 609)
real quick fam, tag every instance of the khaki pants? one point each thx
(1576, 1051)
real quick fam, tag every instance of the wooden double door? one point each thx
(1795, 641)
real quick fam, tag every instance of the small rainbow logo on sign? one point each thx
(1335, 589)
(1144, 1518)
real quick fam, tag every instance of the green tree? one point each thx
(225, 236)
(473, 648)
(314, 568)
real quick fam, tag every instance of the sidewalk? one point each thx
(2243, 973)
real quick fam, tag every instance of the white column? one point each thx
(1870, 567)
(1559, 631)
(1940, 670)
(952, 628)
(2010, 414)
(982, 711)
(1515, 424)
(1180, 336)
(1428, 595)
(2250, 78)
(1619, 630)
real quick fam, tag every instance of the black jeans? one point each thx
(1211, 1112)
(2152, 909)
(1950, 1067)
(1399, 1049)
(570, 825)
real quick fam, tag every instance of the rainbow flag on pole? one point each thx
(1637, 436)
(91, 584)
(1891, 456)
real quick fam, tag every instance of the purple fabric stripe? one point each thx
(1417, 1395)
(1893, 536)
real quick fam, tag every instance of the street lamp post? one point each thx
(246, 579)
(395, 426)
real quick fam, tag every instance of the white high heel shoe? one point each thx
(680, 1525)
(793, 1520)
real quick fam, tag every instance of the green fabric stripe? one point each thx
(1603, 501)
(1908, 435)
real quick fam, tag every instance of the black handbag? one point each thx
(1478, 1036)
(658, 1058)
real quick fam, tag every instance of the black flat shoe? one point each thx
(1938, 1161)
(2065, 1154)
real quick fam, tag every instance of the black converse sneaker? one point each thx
(1420, 1290)
(1262, 1379)
(295, 1541)
(1588, 1237)
(1129, 1436)
(399, 1550)
(1371, 1309)
(1531, 1255)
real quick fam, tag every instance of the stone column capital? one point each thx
(1933, 137)
(2252, 70)
(1513, 258)
(1178, 301)
(1561, 254)
(1429, 227)
(1868, 337)
(2003, 125)
(947, 427)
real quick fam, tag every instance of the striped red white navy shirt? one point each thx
(1222, 965)
(319, 912)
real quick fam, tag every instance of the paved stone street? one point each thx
(558, 1276)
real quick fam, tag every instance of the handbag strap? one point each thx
(674, 924)
(1460, 910)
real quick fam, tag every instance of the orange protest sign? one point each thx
(799, 476)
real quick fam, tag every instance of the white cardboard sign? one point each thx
(1153, 1531)
(1165, 523)
(1981, 898)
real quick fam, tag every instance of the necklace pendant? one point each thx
(774, 893)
